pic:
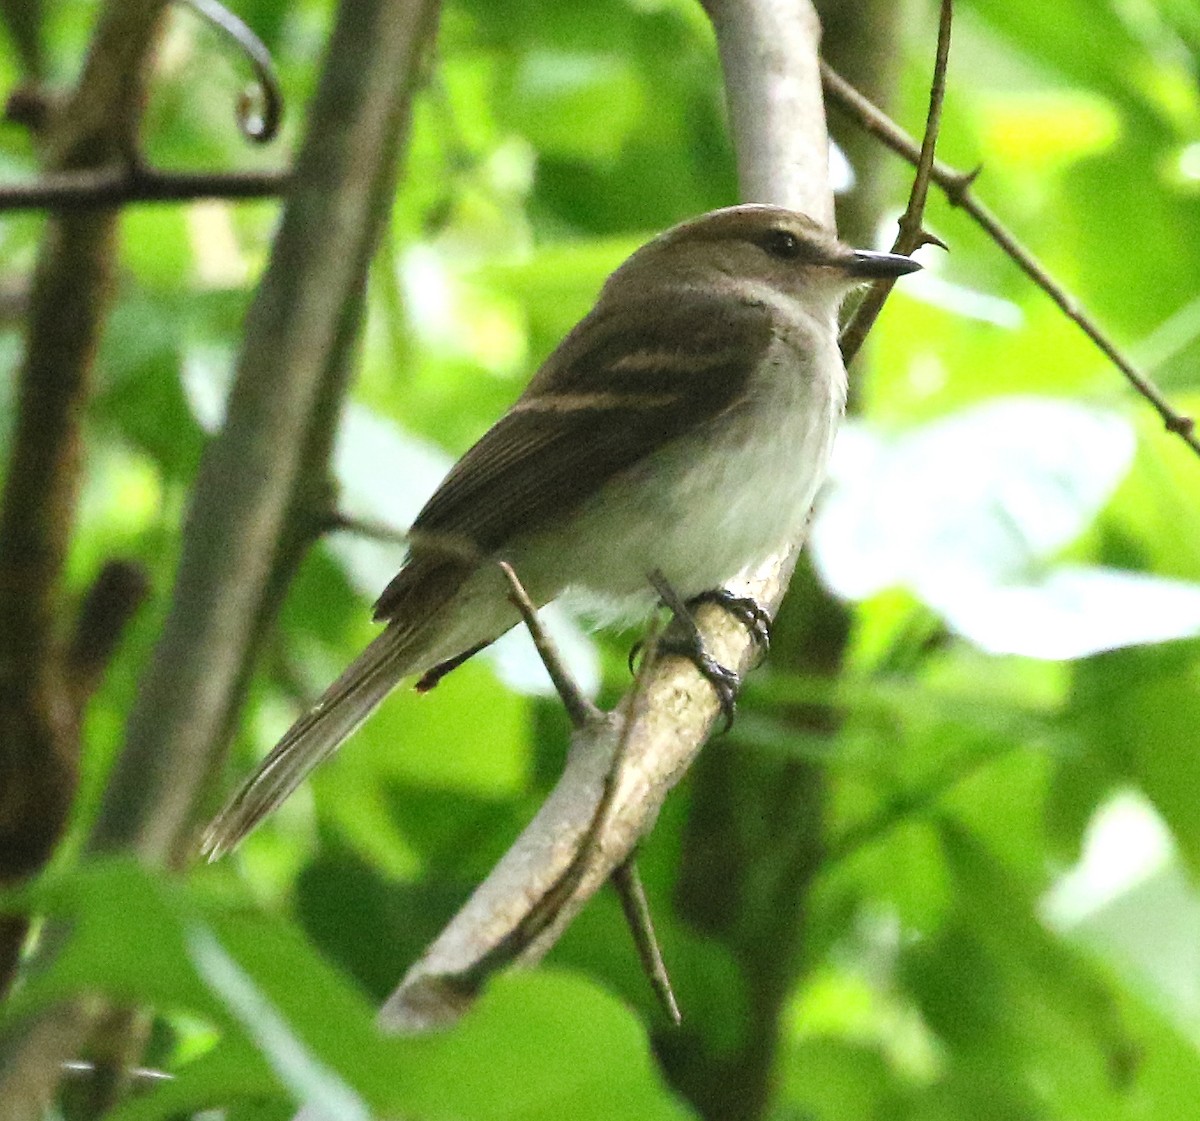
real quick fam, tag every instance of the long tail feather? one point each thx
(315, 736)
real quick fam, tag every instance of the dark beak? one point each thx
(870, 265)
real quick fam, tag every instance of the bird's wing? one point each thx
(620, 386)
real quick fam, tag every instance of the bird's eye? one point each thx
(782, 244)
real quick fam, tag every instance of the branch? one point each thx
(337, 522)
(956, 186)
(119, 185)
(111, 602)
(261, 126)
(625, 878)
(249, 475)
(296, 355)
(501, 928)
(911, 235)
(580, 710)
(628, 883)
(68, 304)
(772, 87)
(312, 506)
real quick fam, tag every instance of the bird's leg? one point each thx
(745, 609)
(431, 677)
(685, 640)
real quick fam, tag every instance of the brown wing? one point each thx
(620, 386)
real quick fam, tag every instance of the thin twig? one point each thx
(910, 805)
(369, 528)
(121, 185)
(628, 882)
(625, 878)
(911, 235)
(546, 909)
(580, 710)
(956, 185)
(261, 126)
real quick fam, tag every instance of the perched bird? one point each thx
(679, 433)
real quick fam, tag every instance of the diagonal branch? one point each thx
(300, 321)
(911, 235)
(956, 185)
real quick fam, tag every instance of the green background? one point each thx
(951, 876)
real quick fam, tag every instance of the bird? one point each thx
(678, 433)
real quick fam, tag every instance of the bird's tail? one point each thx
(316, 735)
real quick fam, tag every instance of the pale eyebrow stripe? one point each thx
(575, 402)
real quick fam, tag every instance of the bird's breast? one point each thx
(710, 503)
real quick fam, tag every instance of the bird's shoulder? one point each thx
(663, 338)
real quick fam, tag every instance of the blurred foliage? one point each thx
(1006, 924)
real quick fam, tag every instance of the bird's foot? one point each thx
(430, 678)
(687, 643)
(745, 609)
(683, 638)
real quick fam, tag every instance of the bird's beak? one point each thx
(870, 265)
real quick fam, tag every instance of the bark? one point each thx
(68, 304)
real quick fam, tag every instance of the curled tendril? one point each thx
(260, 110)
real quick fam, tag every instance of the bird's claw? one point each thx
(684, 638)
(634, 651)
(746, 609)
(725, 682)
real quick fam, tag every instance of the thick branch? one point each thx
(67, 307)
(313, 488)
(773, 92)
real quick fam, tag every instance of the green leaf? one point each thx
(1138, 711)
(536, 1046)
(540, 1046)
(127, 939)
